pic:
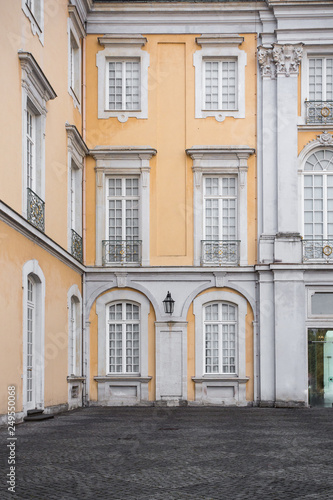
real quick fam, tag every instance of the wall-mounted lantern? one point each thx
(169, 304)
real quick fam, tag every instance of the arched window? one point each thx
(220, 323)
(31, 334)
(318, 195)
(123, 327)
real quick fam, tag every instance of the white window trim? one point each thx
(36, 91)
(308, 53)
(107, 356)
(37, 26)
(31, 268)
(237, 380)
(122, 47)
(122, 380)
(76, 30)
(311, 290)
(219, 47)
(123, 161)
(323, 141)
(74, 293)
(220, 160)
(76, 152)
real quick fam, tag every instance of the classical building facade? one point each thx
(166, 203)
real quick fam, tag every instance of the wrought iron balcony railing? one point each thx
(77, 250)
(320, 112)
(122, 252)
(220, 252)
(35, 210)
(318, 250)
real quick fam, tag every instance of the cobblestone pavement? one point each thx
(174, 454)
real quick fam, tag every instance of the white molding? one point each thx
(37, 25)
(208, 160)
(17, 222)
(75, 292)
(74, 30)
(235, 381)
(122, 380)
(36, 91)
(122, 47)
(165, 346)
(32, 268)
(123, 160)
(219, 46)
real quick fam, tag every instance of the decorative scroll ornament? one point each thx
(287, 58)
(265, 58)
(325, 139)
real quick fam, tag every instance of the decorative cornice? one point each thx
(238, 151)
(35, 73)
(219, 39)
(76, 20)
(108, 152)
(124, 40)
(76, 141)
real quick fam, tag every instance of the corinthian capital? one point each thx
(287, 58)
(265, 59)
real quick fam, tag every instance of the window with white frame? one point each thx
(220, 84)
(220, 202)
(219, 77)
(76, 198)
(220, 323)
(123, 84)
(318, 196)
(74, 65)
(36, 91)
(34, 10)
(321, 78)
(122, 226)
(31, 302)
(123, 326)
(122, 77)
(74, 341)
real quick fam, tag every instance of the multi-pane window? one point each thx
(220, 324)
(76, 198)
(318, 195)
(74, 66)
(220, 84)
(321, 78)
(220, 203)
(123, 208)
(31, 149)
(123, 322)
(123, 85)
(30, 338)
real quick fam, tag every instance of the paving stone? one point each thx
(174, 454)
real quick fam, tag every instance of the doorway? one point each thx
(320, 366)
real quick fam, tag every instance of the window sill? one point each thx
(220, 378)
(122, 115)
(122, 378)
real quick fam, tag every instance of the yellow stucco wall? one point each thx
(53, 60)
(248, 347)
(15, 251)
(171, 128)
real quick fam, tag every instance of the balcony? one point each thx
(76, 247)
(220, 252)
(35, 210)
(319, 112)
(318, 251)
(123, 252)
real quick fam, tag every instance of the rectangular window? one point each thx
(31, 150)
(72, 339)
(74, 67)
(124, 85)
(321, 79)
(220, 206)
(124, 332)
(220, 338)
(220, 84)
(318, 206)
(30, 338)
